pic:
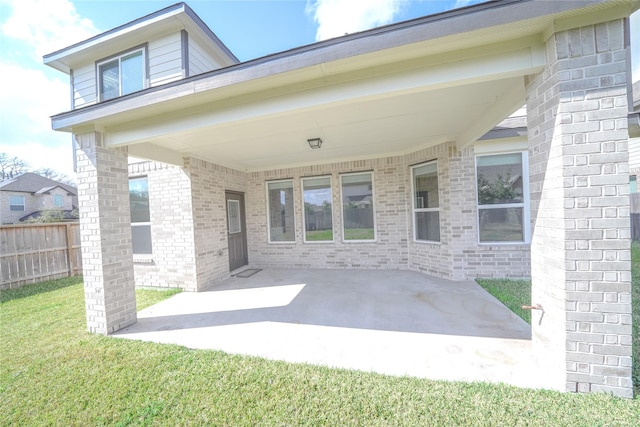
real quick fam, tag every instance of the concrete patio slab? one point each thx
(390, 322)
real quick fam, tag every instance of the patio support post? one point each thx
(105, 233)
(580, 250)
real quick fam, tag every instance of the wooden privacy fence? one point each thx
(31, 253)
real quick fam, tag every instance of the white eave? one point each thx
(170, 19)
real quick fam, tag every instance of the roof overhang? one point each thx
(386, 91)
(170, 19)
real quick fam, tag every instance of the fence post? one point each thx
(70, 258)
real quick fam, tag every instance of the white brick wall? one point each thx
(172, 263)
(458, 256)
(105, 235)
(208, 185)
(390, 199)
(579, 184)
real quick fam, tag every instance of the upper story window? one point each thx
(58, 200)
(503, 197)
(16, 203)
(121, 75)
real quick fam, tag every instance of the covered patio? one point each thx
(407, 112)
(390, 322)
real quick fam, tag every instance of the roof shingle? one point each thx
(32, 183)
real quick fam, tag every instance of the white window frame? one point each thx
(118, 57)
(373, 198)
(304, 221)
(12, 205)
(281, 242)
(58, 197)
(143, 256)
(415, 209)
(525, 204)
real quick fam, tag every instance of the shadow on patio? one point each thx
(393, 322)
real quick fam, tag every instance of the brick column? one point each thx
(105, 233)
(580, 251)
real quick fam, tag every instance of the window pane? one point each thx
(318, 221)
(132, 73)
(357, 207)
(425, 186)
(16, 203)
(58, 200)
(141, 239)
(501, 225)
(109, 80)
(428, 226)
(233, 211)
(139, 199)
(633, 185)
(500, 179)
(281, 213)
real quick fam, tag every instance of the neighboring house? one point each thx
(378, 149)
(29, 194)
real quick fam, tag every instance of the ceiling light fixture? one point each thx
(314, 143)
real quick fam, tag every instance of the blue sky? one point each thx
(250, 28)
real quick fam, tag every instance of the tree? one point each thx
(10, 167)
(55, 175)
(499, 190)
(53, 215)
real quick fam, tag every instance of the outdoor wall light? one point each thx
(314, 143)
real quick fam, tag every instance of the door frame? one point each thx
(243, 226)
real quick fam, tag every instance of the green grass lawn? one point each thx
(501, 232)
(512, 293)
(635, 299)
(516, 293)
(318, 235)
(349, 234)
(359, 234)
(52, 372)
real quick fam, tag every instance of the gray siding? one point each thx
(199, 60)
(165, 59)
(165, 65)
(84, 85)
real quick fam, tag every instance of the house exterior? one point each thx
(375, 150)
(29, 194)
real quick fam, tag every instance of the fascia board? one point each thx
(172, 18)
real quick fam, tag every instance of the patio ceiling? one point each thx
(366, 113)
(362, 128)
(383, 92)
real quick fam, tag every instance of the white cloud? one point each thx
(338, 17)
(29, 29)
(46, 25)
(25, 107)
